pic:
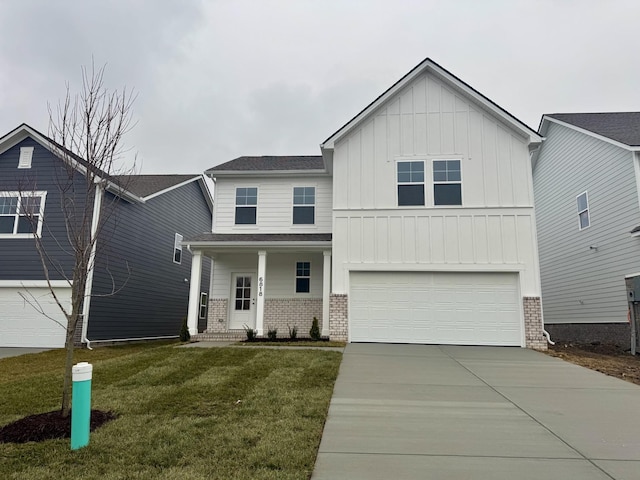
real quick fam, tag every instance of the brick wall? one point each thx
(217, 316)
(533, 323)
(339, 317)
(282, 313)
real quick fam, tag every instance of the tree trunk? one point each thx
(68, 366)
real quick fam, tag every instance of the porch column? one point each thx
(262, 269)
(194, 292)
(326, 291)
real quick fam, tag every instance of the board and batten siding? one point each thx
(275, 204)
(493, 230)
(19, 259)
(135, 255)
(280, 273)
(581, 284)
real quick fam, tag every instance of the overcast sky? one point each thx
(220, 79)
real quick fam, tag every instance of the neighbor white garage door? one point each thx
(439, 308)
(21, 325)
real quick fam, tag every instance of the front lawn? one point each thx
(184, 413)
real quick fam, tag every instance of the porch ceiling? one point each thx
(229, 242)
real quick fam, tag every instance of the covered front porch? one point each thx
(261, 281)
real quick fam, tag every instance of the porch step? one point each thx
(221, 337)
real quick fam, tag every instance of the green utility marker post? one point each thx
(81, 405)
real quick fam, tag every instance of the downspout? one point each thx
(97, 206)
(546, 334)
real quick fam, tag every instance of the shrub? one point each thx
(272, 333)
(251, 333)
(293, 332)
(185, 336)
(314, 333)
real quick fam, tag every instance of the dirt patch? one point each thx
(609, 359)
(47, 426)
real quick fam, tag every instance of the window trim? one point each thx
(43, 197)
(177, 247)
(202, 307)
(296, 277)
(580, 212)
(446, 182)
(294, 205)
(423, 183)
(236, 206)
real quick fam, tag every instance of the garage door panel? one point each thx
(428, 307)
(23, 325)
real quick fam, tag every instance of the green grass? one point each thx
(184, 413)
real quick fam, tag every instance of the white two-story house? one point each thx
(415, 225)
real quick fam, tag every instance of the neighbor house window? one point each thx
(21, 213)
(447, 182)
(177, 249)
(304, 205)
(303, 277)
(246, 205)
(202, 311)
(410, 183)
(583, 211)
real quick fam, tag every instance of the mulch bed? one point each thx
(47, 426)
(283, 340)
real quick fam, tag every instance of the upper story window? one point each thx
(304, 205)
(303, 277)
(246, 205)
(177, 249)
(583, 211)
(21, 214)
(447, 182)
(410, 183)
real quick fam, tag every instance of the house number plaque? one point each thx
(260, 285)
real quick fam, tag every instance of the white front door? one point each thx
(243, 301)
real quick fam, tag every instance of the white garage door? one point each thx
(21, 325)
(438, 308)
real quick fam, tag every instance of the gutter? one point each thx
(97, 207)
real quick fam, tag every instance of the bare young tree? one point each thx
(87, 131)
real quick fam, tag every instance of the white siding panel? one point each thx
(462, 239)
(275, 205)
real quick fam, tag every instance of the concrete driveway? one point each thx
(6, 352)
(448, 412)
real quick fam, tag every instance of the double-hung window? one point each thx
(21, 213)
(447, 182)
(303, 277)
(410, 183)
(246, 205)
(304, 205)
(583, 211)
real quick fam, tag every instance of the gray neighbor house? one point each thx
(139, 252)
(586, 178)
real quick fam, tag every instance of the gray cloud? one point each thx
(219, 79)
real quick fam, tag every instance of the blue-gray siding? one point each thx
(581, 284)
(135, 255)
(19, 259)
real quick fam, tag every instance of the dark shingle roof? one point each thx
(297, 162)
(623, 127)
(145, 185)
(261, 237)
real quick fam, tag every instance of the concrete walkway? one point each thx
(447, 412)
